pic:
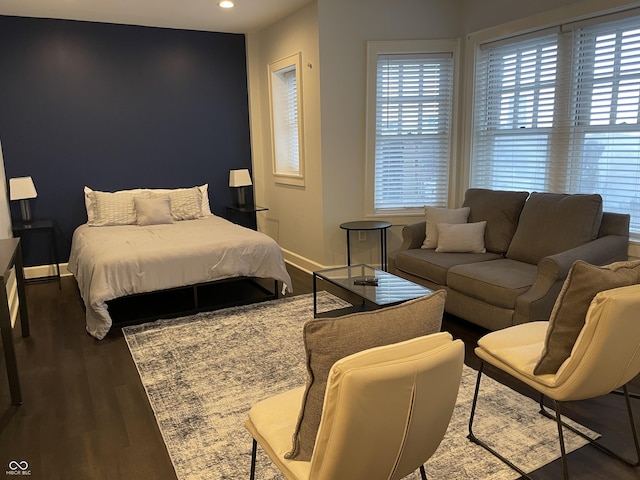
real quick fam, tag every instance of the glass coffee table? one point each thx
(371, 288)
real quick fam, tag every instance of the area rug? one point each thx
(202, 374)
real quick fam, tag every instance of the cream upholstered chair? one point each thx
(605, 357)
(385, 412)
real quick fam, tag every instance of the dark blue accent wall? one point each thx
(116, 107)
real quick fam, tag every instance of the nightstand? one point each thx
(22, 229)
(244, 215)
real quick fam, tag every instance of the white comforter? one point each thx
(112, 262)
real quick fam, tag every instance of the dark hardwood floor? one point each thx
(86, 415)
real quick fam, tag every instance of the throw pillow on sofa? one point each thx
(435, 215)
(583, 282)
(461, 238)
(327, 340)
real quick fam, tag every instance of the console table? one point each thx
(10, 257)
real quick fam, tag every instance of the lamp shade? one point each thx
(239, 178)
(22, 188)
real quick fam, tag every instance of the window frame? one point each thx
(277, 69)
(406, 47)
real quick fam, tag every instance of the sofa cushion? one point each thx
(435, 215)
(582, 284)
(497, 282)
(500, 209)
(328, 340)
(461, 238)
(432, 266)
(551, 223)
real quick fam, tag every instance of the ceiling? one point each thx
(246, 16)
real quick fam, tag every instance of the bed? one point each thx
(116, 254)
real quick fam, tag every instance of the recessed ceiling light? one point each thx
(226, 4)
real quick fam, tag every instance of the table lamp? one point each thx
(239, 179)
(23, 189)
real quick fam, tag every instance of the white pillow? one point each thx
(204, 189)
(92, 215)
(436, 215)
(113, 208)
(153, 211)
(186, 203)
(461, 238)
(90, 202)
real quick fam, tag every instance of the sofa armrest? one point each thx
(537, 302)
(413, 236)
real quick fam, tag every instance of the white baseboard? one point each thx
(40, 271)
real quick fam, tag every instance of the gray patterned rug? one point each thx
(203, 373)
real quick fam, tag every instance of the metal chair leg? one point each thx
(254, 450)
(477, 441)
(423, 474)
(611, 453)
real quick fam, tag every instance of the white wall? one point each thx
(295, 214)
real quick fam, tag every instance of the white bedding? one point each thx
(115, 261)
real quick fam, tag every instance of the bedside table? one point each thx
(22, 229)
(240, 214)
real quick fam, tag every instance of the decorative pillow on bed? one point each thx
(204, 190)
(115, 208)
(186, 203)
(153, 211)
(96, 217)
(461, 238)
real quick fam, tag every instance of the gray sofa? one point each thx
(531, 241)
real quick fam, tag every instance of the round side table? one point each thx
(368, 225)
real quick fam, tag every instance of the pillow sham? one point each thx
(327, 340)
(435, 215)
(91, 204)
(186, 203)
(115, 208)
(153, 211)
(461, 238)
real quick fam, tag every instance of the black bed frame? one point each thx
(187, 300)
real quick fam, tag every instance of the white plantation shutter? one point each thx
(514, 109)
(413, 130)
(605, 153)
(560, 112)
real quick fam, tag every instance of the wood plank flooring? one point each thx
(86, 415)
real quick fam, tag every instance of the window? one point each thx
(286, 120)
(559, 111)
(409, 126)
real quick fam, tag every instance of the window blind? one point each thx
(285, 98)
(514, 112)
(560, 112)
(413, 130)
(605, 150)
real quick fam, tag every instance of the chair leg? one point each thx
(477, 441)
(423, 474)
(254, 450)
(632, 423)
